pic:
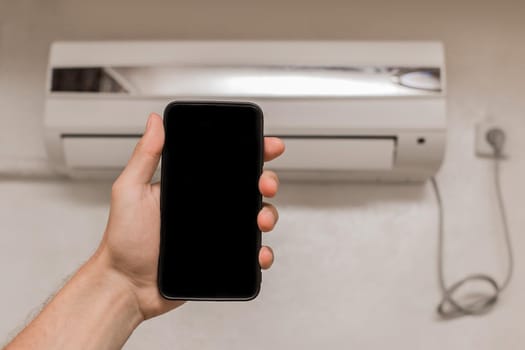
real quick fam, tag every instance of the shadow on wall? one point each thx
(303, 194)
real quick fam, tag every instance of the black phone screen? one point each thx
(211, 163)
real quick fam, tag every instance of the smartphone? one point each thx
(211, 164)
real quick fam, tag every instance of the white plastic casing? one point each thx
(337, 105)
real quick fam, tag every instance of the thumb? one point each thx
(146, 156)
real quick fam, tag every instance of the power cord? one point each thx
(452, 305)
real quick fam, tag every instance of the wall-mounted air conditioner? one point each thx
(346, 110)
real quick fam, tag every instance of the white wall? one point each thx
(356, 265)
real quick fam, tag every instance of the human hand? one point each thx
(130, 245)
(112, 293)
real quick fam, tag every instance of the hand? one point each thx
(112, 293)
(131, 242)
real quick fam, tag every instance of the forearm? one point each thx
(96, 309)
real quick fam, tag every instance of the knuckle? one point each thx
(274, 212)
(146, 150)
(116, 188)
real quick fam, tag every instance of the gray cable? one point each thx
(452, 305)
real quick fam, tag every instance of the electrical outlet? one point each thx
(483, 148)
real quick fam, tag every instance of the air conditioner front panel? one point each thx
(337, 154)
(98, 152)
(346, 110)
(242, 53)
(108, 114)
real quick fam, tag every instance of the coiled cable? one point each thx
(452, 305)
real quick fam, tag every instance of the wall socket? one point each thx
(482, 147)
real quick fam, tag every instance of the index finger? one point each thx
(273, 148)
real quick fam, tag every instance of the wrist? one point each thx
(116, 286)
(96, 309)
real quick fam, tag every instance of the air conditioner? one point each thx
(346, 110)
